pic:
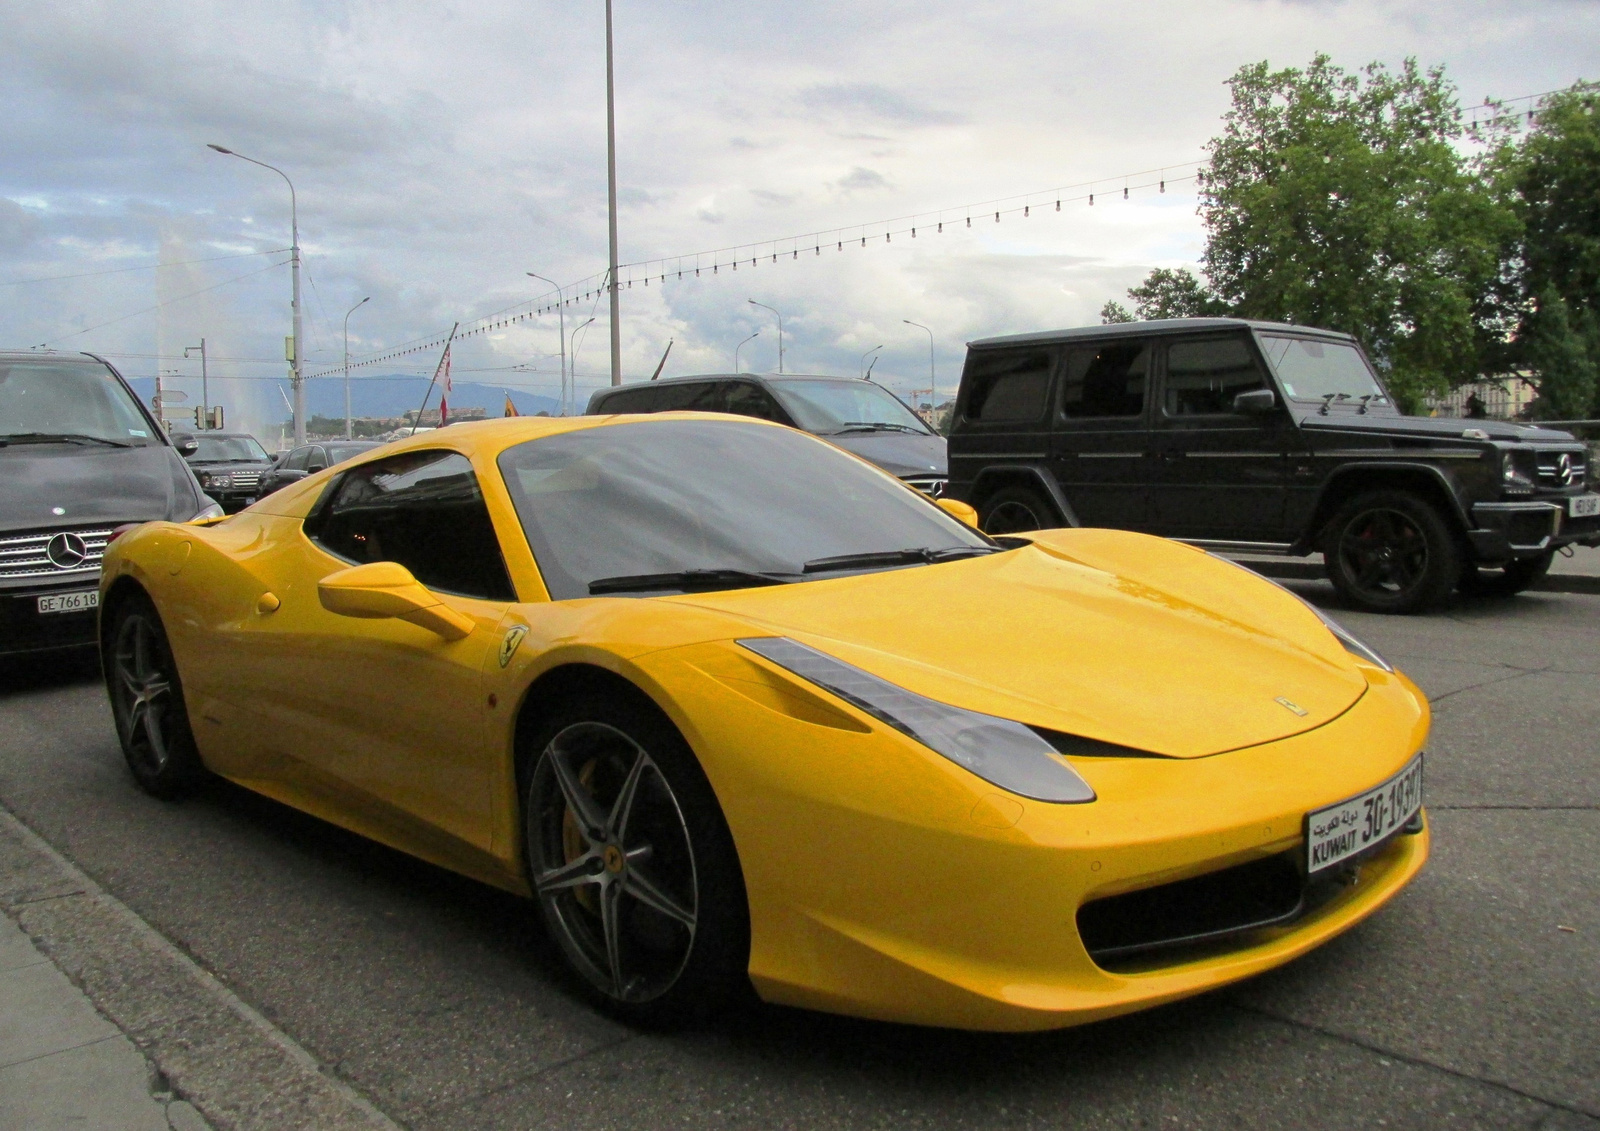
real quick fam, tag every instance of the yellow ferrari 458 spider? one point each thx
(740, 710)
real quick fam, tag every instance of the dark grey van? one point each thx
(860, 416)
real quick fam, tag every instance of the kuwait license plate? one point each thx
(1584, 506)
(70, 602)
(1340, 831)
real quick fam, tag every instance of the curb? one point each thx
(1291, 569)
(230, 1062)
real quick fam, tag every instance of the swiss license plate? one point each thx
(1340, 831)
(1584, 506)
(70, 602)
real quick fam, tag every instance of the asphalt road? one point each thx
(1463, 1004)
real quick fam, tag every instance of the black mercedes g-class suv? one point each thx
(1262, 437)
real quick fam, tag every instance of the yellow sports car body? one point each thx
(740, 710)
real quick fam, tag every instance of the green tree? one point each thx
(1552, 281)
(1342, 200)
(1113, 312)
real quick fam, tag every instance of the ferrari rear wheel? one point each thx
(633, 865)
(147, 701)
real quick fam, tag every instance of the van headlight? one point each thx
(1000, 751)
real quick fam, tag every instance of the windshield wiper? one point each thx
(687, 580)
(876, 426)
(60, 438)
(920, 554)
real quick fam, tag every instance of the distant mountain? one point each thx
(368, 397)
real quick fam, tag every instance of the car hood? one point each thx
(1431, 427)
(1114, 636)
(92, 484)
(899, 453)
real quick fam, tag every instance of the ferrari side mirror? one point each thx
(958, 510)
(386, 589)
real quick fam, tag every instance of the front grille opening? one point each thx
(1192, 912)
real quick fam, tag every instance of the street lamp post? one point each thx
(295, 370)
(865, 368)
(611, 185)
(933, 392)
(741, 346)
(774, 310)
(205, 397)
(562, 311)
(347, 315)
(578, 329)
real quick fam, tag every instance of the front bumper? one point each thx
(1526, 529)
(885, 882)
(23, 629)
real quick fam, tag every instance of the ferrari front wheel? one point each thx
(147, 701)
(633, 865)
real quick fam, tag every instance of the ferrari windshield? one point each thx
(831, 407)
(670, 505)
(67, 401)
(1311, 369)
(223, 449)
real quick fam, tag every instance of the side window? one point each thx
(1108, 381)
(746, 399)
(692, 397)
(423, 510)
(1007, 385)
(297, 459)
(630, 400)
(317, 460)
(1203, 377)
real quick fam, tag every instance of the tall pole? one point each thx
(774, 310)
(865, 368)
(611, 184)
(933, 392)
(205, 398)
(741, 346)
(295, 371)
(347, 315)
(562, 311)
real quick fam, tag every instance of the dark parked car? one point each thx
(860, 416)
(1262, 437)
(297, 463)
(79, 457)
(229, 466)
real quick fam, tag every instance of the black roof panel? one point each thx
(1137, 329)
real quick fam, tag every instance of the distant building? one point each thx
(1502, 398)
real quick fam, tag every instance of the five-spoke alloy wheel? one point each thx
(632, 864)
(1391, 552)
(1016, 510)
(147, 700)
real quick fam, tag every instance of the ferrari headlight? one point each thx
(999, 751)
(1352, 644)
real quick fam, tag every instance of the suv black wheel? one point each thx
(1391, 552)
(633, 864)
(147, 701)
(1016, 510)
(1516, 576)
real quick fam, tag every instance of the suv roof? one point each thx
(1162, 326)
(737, 377)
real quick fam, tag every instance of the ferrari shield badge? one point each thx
(508, 646)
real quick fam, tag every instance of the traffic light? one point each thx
(203, 422)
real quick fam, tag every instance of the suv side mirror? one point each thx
(1256, 402)
(186, 445)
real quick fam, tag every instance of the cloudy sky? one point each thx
(440, 151)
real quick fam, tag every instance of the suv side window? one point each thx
(297, 459)
(1106, 382)
(630, 400)
(423, 510)
(317, 460)
(1007, 385)
(746, 399)
(1204, 376)
(693, 396)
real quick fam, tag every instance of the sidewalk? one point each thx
(1579, 573)
(63, 1065)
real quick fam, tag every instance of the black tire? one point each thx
(147, 701)
(1016, 510)
(660, 874)
(1392, 552)
(1517, 575)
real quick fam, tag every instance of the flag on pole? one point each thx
(444, 390)
(511, 409)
